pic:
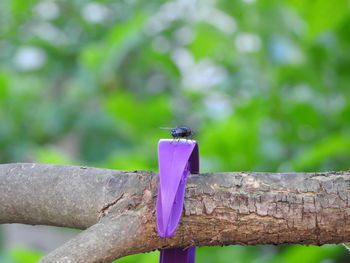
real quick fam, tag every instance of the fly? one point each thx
(179, 132)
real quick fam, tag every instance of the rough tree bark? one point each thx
(117, 208)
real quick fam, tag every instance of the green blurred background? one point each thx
(265, 85)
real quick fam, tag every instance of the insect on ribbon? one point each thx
(180, 131)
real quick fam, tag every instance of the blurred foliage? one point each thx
(21, 255)
(263, 83)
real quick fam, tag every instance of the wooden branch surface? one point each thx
(117, 208)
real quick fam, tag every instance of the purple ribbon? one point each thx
(177, 159)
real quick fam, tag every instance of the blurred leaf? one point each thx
(20, 8)
(3, 86)
(322, 15)
(209, 41)
(311, 254)
(232, 254)
(140, 258)
(327, 149)
(132, 160)
(51, 155)
(22, 255)
(235, 142)
(147, 115)
(103, 58)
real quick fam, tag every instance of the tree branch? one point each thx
(118, 208)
